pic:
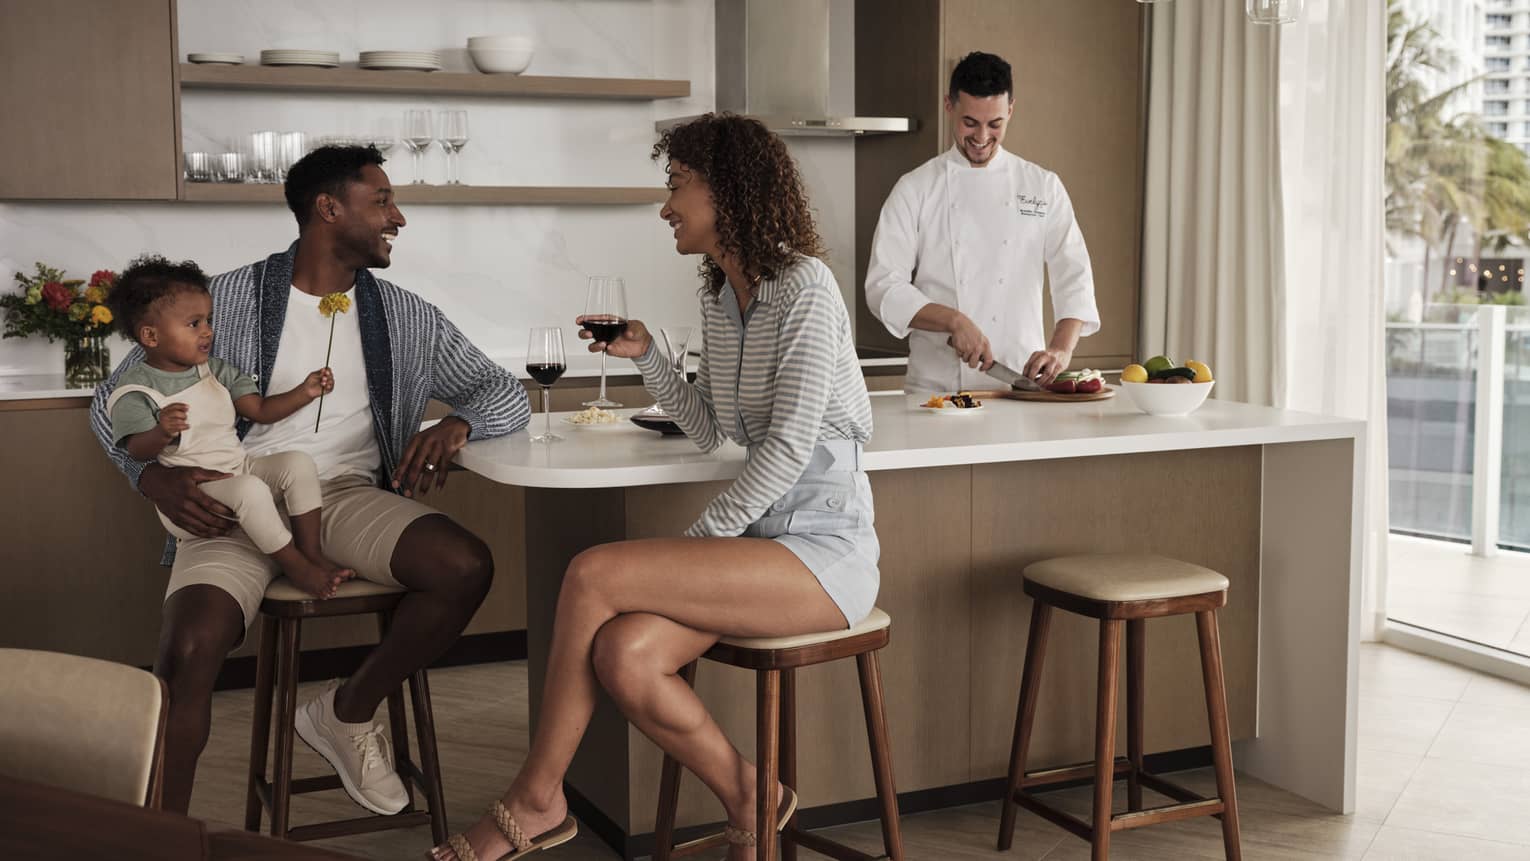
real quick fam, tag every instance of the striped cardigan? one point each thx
(412, 353)
(777, 379)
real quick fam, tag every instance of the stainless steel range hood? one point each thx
(778, 61)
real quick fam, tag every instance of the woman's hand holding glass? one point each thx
(632, 343)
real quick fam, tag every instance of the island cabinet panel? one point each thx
(89, 100)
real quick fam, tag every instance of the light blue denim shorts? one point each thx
(827, 519)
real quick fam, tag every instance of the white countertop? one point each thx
(905, 437)
(21, 387)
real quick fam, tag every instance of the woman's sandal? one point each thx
(741, 837)
(520, 844)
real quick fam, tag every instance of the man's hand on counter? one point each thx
(174, 491)
(632, 343)
(428, 456)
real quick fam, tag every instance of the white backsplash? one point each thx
(494, 270)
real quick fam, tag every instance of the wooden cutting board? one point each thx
(1047, 397)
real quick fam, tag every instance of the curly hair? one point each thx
(763, 219)
(148, 280)
(326, 170)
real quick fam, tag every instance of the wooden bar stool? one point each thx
(775, 661)
(276, 678)
(1117, 589)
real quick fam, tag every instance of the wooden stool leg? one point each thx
(398, 727)
(1105, 736)
(286, 711)
(1025, 713)
(260, 724)
(881, 751)
(1136, 662)
(1216, 714)
(767, 751)
(430, 760)
(789, 755)
(669, 790)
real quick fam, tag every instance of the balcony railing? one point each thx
(1458, 426)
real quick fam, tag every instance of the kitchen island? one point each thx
(963, 504)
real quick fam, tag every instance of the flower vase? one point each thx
(87, 360)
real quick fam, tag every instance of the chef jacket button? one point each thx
(994, 318)
(1006, 242)
(1001, 280)
(833, 502)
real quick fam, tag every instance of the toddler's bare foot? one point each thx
(318, 580)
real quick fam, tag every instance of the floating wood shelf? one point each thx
(480, 195)
(301, 79)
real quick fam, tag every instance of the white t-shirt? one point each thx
(345, 443)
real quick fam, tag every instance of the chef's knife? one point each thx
(1017, 381)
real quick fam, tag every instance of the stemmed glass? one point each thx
(675, 339)
(418, 137)
(545, 364)
(454, 136)
(605, 315)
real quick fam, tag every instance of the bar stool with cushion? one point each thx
(1122, 589)
(276, 678)
(775, 661)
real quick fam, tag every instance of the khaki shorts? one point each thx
(360, 527)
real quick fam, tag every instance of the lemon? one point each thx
(1158, 363)
(1134, 374)
(1202, 373)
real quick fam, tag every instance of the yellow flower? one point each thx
(100, 315)
(95, 296)
(334, 302)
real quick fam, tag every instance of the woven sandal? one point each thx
(741, 837)
(520, 844)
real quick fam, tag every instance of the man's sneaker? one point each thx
(358, 752)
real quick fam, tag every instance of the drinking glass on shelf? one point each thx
(228, 167)
(675, 339)
(454, 136)
(291, 146)
(263, 156)
(605, 315)
(418, 137)
(545, 364)
(199, 167)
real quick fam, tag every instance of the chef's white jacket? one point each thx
(982, 241)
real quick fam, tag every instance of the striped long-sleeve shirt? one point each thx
(412, 352)
(777, 378)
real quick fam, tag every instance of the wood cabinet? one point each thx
(89, 100)
(1079, 111)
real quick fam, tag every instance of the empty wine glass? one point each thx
(545, 364)
(418, 138)
(454, 136)
(675, 339)
(605, 315)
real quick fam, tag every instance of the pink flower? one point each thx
(57, 296)
(103, 278)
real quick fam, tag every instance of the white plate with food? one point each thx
(961, 403)
(594, 418)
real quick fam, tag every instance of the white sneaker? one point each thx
(359, 753)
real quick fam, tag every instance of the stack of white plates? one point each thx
(422, 61)
(216, 58)
(279, 57)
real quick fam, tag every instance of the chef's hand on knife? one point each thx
(1045, 365)
(969, 342)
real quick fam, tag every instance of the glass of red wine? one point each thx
(605, 315)
(545, 364)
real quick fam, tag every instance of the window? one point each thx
(1498, 130)
(1500, 43)
(1497, 86)
(1495, 108)
(1499, 22)
(1498, 64)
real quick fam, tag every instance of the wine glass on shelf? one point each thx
(454, 136)
(675, 339)
(545, 364)
(605, 315)
(418, 137)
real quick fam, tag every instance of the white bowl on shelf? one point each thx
(501, 54)
(1168, 399)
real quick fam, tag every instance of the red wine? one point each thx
(545, 373)
(606, 329)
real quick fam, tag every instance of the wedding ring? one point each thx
(430, 467)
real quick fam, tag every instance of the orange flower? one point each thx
(100, 315)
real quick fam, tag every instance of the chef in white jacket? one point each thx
(964, 244)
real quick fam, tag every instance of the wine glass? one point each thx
(418, 137)
(675, 339)
(545, 364)
(454, 136)
(605, 315)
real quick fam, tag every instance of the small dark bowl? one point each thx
(664, 426)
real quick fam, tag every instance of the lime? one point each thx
(1158, 363)
(1134, 374)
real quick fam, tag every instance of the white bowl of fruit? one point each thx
(1162, 388)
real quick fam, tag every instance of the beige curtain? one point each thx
(1212, 266)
